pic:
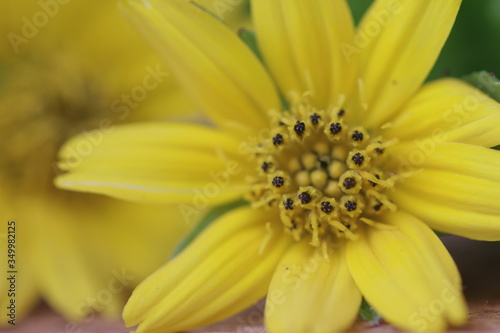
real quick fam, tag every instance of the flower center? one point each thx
(322, 175)
(47, 100)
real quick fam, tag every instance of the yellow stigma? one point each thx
(322, 175)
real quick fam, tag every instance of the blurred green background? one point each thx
(474, 43)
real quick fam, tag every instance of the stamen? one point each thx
(350, 205)
(288, 203)
(358, 159)
(315, 118)
(299, 128)
(315, 233)
(278, 181)
(335, 128)
(380, 146)
(308, 196)
(382, 198)
(324, 177)
(349, 182)
(278, 139)
(357, 136)
(265, 166)
(305, 198)
(326, 207)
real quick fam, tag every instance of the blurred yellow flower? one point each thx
(359, 162)
(67, 67)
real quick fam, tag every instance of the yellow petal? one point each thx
(155, 162)
(235, 14)
(407, 275)
(226, 269)
(312, 293)
(301, 43)
(80, 285)
(398, 42)
(462, 222)
(454, 188)
(216, 68)
(113, 224)
(448, 110)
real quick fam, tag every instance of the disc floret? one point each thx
(323, 176)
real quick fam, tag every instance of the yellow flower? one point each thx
(344, 180)
(59, 77)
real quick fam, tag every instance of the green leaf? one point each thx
(486, 82)
(207, 220)
(368, 313)
(250, 39)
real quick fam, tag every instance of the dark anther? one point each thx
(305, 197)
(350, 205)
(357, 136)
(379, 151)
(335, 128)
(278, 139)
(377, 207)
(358, 159)
(323, 164)
(265, 166)
(373, 183)
(326, 207)
(299, 128)
(341, 113)
(278, 181)
(349, 182)
(315, 118)
(288, 203)
(281, 123)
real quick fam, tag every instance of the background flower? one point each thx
(222, 271)
(69, 67)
